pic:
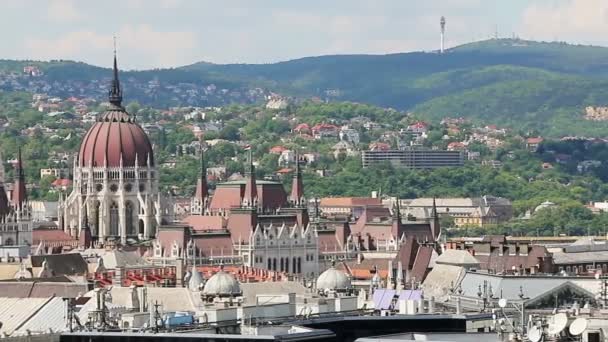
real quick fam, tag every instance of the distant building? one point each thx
(478, 211)
(414, 159)
(349, 134)
(532, 144)
(55, 172)
(347, 206)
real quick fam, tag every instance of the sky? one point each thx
(169, 33)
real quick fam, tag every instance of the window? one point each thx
(114, 219)
(129, 218)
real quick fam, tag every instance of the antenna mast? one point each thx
(442, 25)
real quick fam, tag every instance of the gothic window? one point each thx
(142, 188)
(114, 221)
(128, 187)
(113, 187)
(158, 250)
(129, 218)
(99, 187)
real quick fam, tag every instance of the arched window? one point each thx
(114, 221)
(299, 265)
(294, 265)
(282, 267)
(129, 218)
(274, 264)
(269, 263)
(287, 265)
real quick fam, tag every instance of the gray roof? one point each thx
(118, 258)
(457, 258)
(62, 264)
(252, 290)
(533, 286)
(50, 316)
(14, 312)
(563, 258)
(441, 279)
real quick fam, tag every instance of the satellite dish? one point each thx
(578, 326)
(535, 334)
(558, 324)
(502, 302)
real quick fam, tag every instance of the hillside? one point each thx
(524, 84)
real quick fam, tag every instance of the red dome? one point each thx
(115, 134)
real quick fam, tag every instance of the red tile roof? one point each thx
(278, 149)
(536, 140)
(50, 235)
(205, 222)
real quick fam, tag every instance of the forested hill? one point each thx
(525, 84)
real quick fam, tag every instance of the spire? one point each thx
(202, 191)
(115, 93)
(251, 189)
(435, 227)
(19, 196)
(84, 238)
(297, 186)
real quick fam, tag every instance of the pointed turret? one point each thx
(251, 190)
(297, 186)
(19, 196)
(84, 238)
(435, 227)
(115, 93)
(202, 191)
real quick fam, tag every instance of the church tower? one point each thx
(116, 178)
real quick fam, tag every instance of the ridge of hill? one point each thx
(518, 83)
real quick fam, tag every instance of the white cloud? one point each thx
(139, 46)
(580, 20)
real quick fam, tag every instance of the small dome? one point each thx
(222, 284)
(195, 281)
(333, 279)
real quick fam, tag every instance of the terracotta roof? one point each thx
(50, 235)
(302, 127)
(61, 182)
(364, 270)
(205, 222)
(535, 140)
(379, 146)
(324, 126)
(278, 149)
(349, 201)
(285, 170)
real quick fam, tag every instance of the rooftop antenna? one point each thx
(442, 24)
